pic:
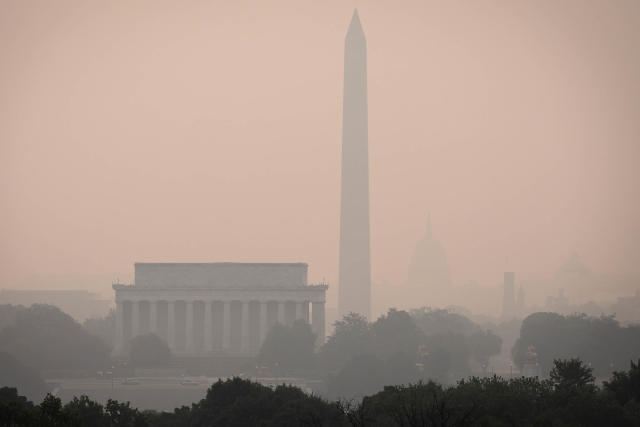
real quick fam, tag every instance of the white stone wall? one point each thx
(221, 275)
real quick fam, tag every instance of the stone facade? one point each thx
(216, 308)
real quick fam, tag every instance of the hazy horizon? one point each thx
(165, 132)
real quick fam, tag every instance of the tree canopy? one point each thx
(569, 398)
(15, 374)
(43, 337)
(289, 347)
(599, 341)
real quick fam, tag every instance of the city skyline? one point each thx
(157, 136)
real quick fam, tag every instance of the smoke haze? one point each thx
(211, 131)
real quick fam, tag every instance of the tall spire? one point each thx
(355, 27)
(355, 263)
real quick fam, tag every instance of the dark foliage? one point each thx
(571, 374)
(290, 348)
(25, 379)
(8, 314)
(399, 348)
(569, 399)
(43, 337)
(351, 337)
(625, 387)
(600, 342)
(103, 327)
(238, 402)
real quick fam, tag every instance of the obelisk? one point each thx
(355, 264)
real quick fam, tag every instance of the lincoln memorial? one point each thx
(216, 308)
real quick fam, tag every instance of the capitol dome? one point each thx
(429, 268)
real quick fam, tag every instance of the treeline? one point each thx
(360, 357)
(600, 341)
(569, 398)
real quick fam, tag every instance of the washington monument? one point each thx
(355, 264)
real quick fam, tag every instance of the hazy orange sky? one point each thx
(210, 131)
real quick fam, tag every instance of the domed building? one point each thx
(429, 277)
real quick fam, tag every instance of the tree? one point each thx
(43, 337)
(238, 402)
(25, 379)
(396, 332)
(351, 337)
(571, 374)
(484, 345)
(625, 386)
(599, 340)
(364, 374)
(15, 410)
(437, 322)
(290, 347)
(83, 411)
(50, 412)
(122, 414)
(103, 327)
(149, 351)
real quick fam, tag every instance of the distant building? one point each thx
(520, 302)
(574, 270)
(509, 309)
(627, 309)
(79, 304)
(429, 276)
(222, 308)
(558, 304)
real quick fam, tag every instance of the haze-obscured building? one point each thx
(429, 278)
(223, 308)
(508, 296)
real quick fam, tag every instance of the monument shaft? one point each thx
(355, 264)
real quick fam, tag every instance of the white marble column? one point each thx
(208, 327)
(135, 318)
(153, 317)
(119, 347)
(226, 325)
(171, 325)
(281, 312)
(189, 333)
(244, 331)
(305, 311)
(263, 322)
(317, 322)
(299, 315)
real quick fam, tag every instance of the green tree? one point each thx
(364, 374)
(25, 379)
(103, 327)
(625, 386)
(43, 337)
(599, 340)
(238, 402)
(15, 410)
(396, 332)
(571, 374)
(351, 337)
(50, 412)
(484, 345)
(289, 347)
(122, 414)
(83, 411)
